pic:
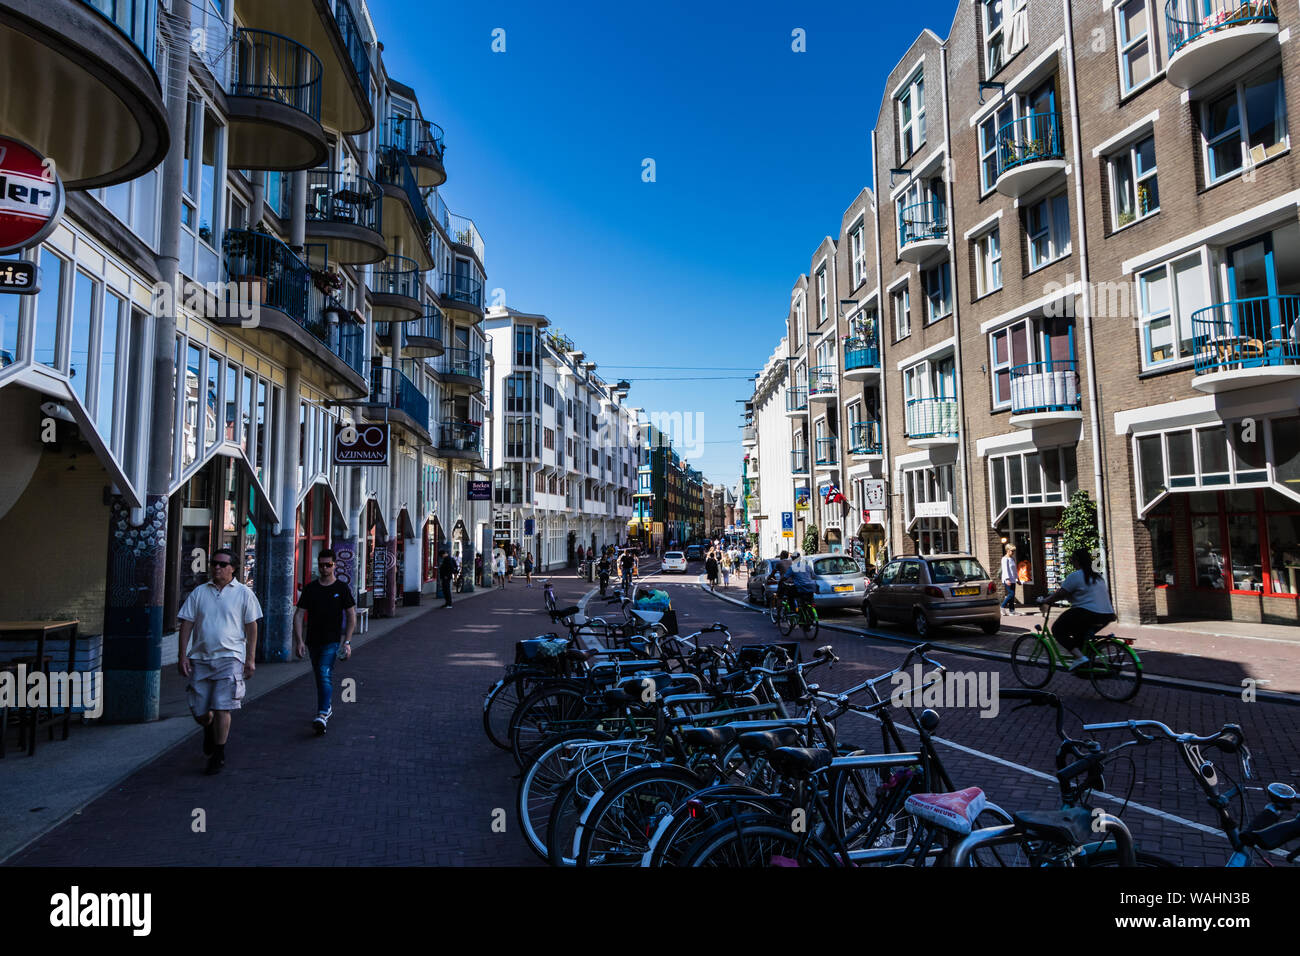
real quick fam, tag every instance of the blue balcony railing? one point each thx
(921, 222)
(799, 461)
(821, 380)
(1189, 20)
(463, 288)
(796, 400)
(428, 326)
(344, 198)
(1030, 139)
(394, 169)
(392, 388)
(1246, 334)
(827, 452)
(273, 67)
(352, 41)
(1045, 387)
(860, 353)
(397, 275)
(459, 436)
(864, 438)
(135, 19)
(931, 418)
(414, 137)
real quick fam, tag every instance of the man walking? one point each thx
(221, 616)
(325, 603)
(446, 571)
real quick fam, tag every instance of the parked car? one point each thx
(674, 561)
(695, 552)
(840, 582)
(933, 591)
(760, 586)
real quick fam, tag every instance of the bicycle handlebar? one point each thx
(1229, 738)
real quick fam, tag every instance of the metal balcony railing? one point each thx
(749, 434)
(796, 400)
(827, 452)
(460, 361)
(922, 221)
(394, 169)
(396, 275)
(273, 67)
(864, 438)
(415, 137)
(463, 288)
(931, 418)
(1188, 20)
(860, 353)
(799, 461)
(462, 230)
(1247, 333)
(344, 198)
(429, 325)
(1030, 139)
(135, 19)
(391, 387)
(821, 380)
(459, 436)
(352, 41)
(1045, 387)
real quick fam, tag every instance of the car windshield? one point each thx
(673, 554)
(956, 570)
(836, 565)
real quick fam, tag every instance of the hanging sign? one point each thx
(365, 444)
(31, 196)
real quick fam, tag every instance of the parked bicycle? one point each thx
(1109, 662)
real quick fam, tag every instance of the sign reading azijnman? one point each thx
(365, 444)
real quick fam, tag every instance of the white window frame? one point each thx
(944, 271)
(857, 252)
(988, 260)
(911, 133)
(1138, 181)
(1174, 314)
(1249, 155)
(823, 309)
(1124, 47)
(995, 120)
(1058, 497)
(900, 304)
(1052, 222)
(993, 34)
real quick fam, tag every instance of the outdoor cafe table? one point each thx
(43, 630)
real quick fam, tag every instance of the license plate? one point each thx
(965, 592)
(844, 587)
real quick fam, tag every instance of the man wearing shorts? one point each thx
(221, 618)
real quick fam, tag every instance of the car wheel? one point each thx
(921, 624)
(991, 627)
(869, 613)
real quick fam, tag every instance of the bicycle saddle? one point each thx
(709, 738)
(800, 761)
(954, 811)
(1071, 827)
(766, 741)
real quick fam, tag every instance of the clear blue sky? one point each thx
(758, 151)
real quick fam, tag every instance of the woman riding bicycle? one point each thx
(1090, 607)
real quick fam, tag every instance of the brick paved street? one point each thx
(406, 776)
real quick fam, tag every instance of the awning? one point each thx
(323, 482)
(227, 449)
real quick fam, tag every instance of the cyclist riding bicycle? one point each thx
(797, 585)
(625, 564)
(1090, 608)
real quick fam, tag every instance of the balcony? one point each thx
(407, 224)
(1246, 342)
(1031, 151)
(394, 397)
(799, 461)
(395, 290)
(345, 214)
(861, 359)
(460, 440)
(421, 141)
(749, 436)
(796, 401)
(462, 232)
(80, 86)
(424, 335)
(931, 422)
(293, 319)
(1205, 36)
(462, 297)
(1045, 392)
(273, 104)
(460, 366)
(864, 439)
(827, 453)
(822, 384)
(336, 40)
(922, 231)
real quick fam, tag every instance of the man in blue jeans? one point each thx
(325, 603)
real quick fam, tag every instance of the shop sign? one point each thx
(480, 490)
(31, 196)
(934, 509)
(361, 445)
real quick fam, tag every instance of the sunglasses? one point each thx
(326, 564)
(221, 564)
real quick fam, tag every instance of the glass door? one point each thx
(1252, 284)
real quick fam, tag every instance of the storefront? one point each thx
(432, 544)
(929, 508)
(1028, 491)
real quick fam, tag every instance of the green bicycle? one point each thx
(1109, 662)
(785, 613)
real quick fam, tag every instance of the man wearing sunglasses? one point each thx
(221, 616)
(325, 603)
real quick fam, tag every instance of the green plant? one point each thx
(811, 539)
(1078, 526)
(1126, 217)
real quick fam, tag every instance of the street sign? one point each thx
(19, 278)
(873, 491)
(31, 196)
(787, 524)
(365, 444)
(480, 490)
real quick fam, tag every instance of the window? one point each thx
(1168, 295)
(902, 313)
(989, 130)
(1134, 189)
(822, 305)
(1047, 226)
(857, 252)
(988, 262)
(911, 117)
(46, 311)
(1248, 121)
(1039, 479)
(85, 291)
(548, 395)
(994, 35)
(1041, 341)
(937, 283)
(135, 204)
(1137, 54)
(548, 439)
(114, 319)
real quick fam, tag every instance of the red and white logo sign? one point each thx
(31, 196)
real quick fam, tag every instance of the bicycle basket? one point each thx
(544, 653)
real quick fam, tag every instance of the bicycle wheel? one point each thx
(1116, 671)
(547, 711)
(1109, 856)
(810, 623)
(619, 825)
(586, 783)
(1007, 854)
(787, 621)
(542, 781)
(498, 706)
(757, 842)
(1032, 661)
(677, 834)
(855, 796)
(774, 612)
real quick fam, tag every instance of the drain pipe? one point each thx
(1094, 393)
(882, 317)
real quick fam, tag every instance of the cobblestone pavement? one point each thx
(406, 776)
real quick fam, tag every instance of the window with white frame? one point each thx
(1134, 186)
(857, 252)
(798, 320)
(1047, 227)
(911, 116)
(1136, 43)
(1246, 123)
(1042, 478)
(937, 282)
(928, 493)
(902, 308)
(203, 185)
(1168, 295)
(988, 262)
(1034, 340)
(135, 204)
(994, 35)
(823, 306)
(989, 130)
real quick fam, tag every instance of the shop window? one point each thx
(46, 312)
(84, 292)
(1248, 450)
(1243, 545)
(1160, 526)
(1213, 447)
(1207, 545)
(1284, 549)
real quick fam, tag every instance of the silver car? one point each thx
(840, 581)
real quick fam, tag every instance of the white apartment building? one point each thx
(771, 492)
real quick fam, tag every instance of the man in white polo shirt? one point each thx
(221, 617)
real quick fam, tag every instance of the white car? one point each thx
(674, 561)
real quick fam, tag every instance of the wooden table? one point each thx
(24, 630)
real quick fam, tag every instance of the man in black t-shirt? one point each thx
(324, 603)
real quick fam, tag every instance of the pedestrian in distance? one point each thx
(500, 569)
(217, 644)
(325, 604)
(528, 568)
(510, 567)
(725, 567)
(446, 571)
(711, 570)
(1009, 578)
(478, 569)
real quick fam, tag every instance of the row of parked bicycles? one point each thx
(652, 749)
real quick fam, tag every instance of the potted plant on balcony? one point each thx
(327, 281)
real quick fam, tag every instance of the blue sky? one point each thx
(758, 150)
